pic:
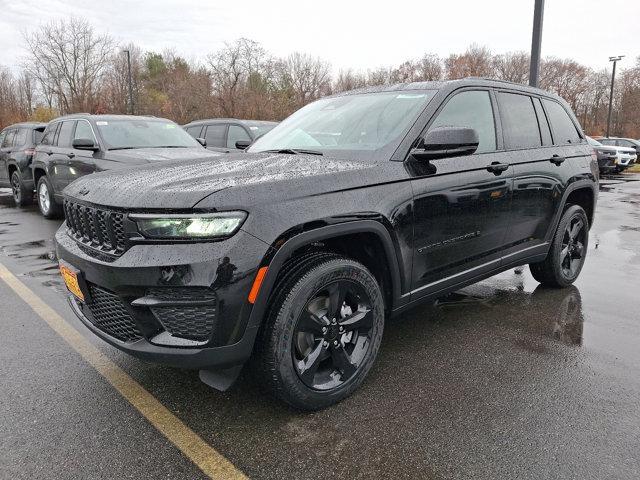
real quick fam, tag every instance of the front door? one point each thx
(82, 162)
(461, 204)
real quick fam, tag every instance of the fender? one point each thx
(323, 233)
(575, 185)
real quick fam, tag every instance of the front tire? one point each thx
(21, 196)
(46, 202)
(568, 250)
(322, 333)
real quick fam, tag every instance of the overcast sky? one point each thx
(349, 34)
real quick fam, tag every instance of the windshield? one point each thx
(352, 123)
(593, 143)
(138, 133)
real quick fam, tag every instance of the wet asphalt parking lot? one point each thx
(503, 379)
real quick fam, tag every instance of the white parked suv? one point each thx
(628, 150)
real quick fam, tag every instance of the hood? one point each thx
(142, 156)
(178, 185)
(605, 148)
(627, 150)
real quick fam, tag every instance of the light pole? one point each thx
(613, 79)
(536, 42)
(130, 82)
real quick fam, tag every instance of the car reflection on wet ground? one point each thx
(503, 379)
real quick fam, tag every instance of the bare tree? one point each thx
(476, 61)
(512, 66)
(230, 69)
(430, 68)
(68, 59)
(309, 77)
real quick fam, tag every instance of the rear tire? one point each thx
(322, 332)
(568, 250)
(46, 202)
(21, 195)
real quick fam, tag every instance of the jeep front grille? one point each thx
(98, 228)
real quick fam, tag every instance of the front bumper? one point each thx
(183, 305)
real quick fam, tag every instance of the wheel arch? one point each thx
(38, 172)
(331, 238)
(583, 194)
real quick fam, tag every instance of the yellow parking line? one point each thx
(186, 440)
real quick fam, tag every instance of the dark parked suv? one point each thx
(80, 144)
(355, 208)
(228, 134)
(17, 146)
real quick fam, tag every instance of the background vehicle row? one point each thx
(17, 147)
(228, 134)
(78, 145)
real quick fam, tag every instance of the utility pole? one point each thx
(536, 42)
(613, 79)
(130, 82)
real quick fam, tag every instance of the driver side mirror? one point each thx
(242, 144)
(84, 144)
(446, 142)
(202, 141)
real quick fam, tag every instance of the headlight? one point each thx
(189, 226)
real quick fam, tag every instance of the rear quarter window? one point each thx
(563, 128)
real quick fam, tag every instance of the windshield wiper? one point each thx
(293, 151)
(124, 148)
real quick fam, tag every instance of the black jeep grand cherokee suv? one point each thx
(355, 208)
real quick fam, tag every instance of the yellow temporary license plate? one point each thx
(71, 281)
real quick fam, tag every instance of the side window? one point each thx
(215, 135)
(545, 130)
(64, 135)
(519, 121)
(21, 137)
(8, 139)
(194, 131)
(606, 141)
(49, 133)
(564, 131)
(236, 133)
(471, 109)
(83, 130)
(37, 135)
(625, 143)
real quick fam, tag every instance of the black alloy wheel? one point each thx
(332, 335)
(567, 252)
(322, 332)
(573, 247)
(21, 196)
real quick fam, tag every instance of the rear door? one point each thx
(6, 148)
(461, 204)
(545, 144)
(83, 161)
(216, 136)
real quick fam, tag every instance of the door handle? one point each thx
(497, 167)
(557, 159)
